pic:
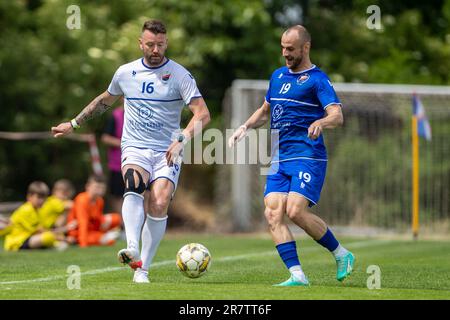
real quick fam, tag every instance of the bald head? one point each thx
(295, 45)
(301, 32)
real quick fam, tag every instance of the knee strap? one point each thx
(130, 185)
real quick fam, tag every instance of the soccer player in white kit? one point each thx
(155, 90)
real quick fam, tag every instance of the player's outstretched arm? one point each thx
(256, 120)
(96, 107)
(198, 121)
(333, 119)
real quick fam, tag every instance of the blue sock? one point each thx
(329, 241)
(288, 253)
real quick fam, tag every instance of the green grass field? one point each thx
(243, 267)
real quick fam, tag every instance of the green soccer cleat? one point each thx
(293, 282)
(344, 266)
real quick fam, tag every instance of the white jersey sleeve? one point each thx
(114, 87)
(188, 88)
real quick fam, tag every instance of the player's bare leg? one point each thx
(315, 227)
(274, 212)
(160, 194)
(133, 215)
(297, 211)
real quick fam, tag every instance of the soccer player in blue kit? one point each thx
(301, 102)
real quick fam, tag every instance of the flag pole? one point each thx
(415, 177)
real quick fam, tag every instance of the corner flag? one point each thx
(420, 127)
(423, 126)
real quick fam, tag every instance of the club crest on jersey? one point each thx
(303, 78)
(166, 77)
(277, 112)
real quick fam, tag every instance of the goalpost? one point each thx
(368, 183)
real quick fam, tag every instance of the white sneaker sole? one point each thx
(141, 281)
(126, 256)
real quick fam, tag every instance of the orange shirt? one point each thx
(88, 215)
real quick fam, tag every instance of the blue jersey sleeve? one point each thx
(326, 93)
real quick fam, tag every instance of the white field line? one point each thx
(354, 245)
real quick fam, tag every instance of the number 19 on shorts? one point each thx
(305, 176)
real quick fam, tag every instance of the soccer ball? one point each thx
(193, 260)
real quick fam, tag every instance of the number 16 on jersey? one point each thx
(147, 87)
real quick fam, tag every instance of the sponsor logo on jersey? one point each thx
(147, 126)
(133, 73)
(145, 112)
(280, 76)
(303, 78)
(277, 112)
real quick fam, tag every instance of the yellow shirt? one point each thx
(25, 222)
(5, 230)
(52, 208)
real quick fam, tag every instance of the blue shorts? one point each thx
(302, 176)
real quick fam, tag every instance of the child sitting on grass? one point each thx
(26, 231)
(93, 227)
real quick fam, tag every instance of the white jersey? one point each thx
(154, 98)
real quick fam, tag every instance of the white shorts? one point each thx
(154, 162)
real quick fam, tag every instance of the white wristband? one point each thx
(74, 124)
(243, 127)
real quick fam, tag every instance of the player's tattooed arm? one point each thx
(97, 107)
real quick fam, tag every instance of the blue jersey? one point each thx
(297, 99)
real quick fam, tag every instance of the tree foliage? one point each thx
(49, 73)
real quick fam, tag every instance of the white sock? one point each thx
(152, 234)
(339, 251)
(297, 272)
(133, 218)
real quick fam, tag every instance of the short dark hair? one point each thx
(96, 178)
(154, 26)
(39, 188)
(65, 186)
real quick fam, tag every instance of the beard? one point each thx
(154, 60)
(294, 62)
